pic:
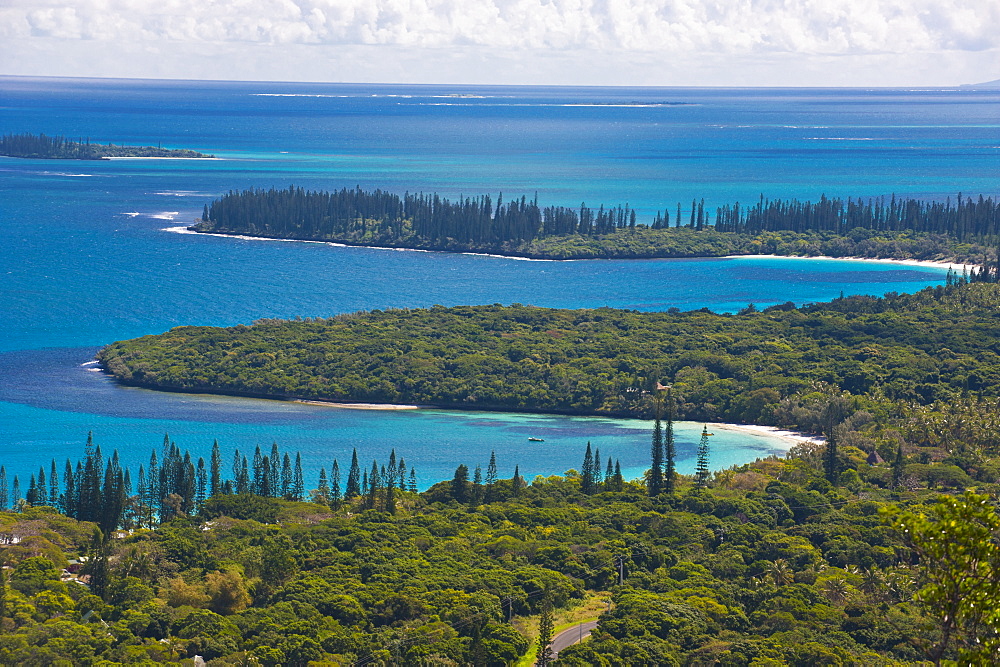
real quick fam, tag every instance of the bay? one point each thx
(87, 261)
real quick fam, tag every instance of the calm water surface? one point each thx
(87, 259)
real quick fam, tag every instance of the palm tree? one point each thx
(872, 583)
(780, 572)
(835, 589)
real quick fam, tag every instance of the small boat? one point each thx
(535, 440)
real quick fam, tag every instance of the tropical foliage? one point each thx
(766, 563)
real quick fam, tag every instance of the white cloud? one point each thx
(811, 26)
(657, 35)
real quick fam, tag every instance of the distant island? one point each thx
(60, 148)
(988, 85)
(960, 230)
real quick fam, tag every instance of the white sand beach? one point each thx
(792, 438)
(361, 406)
(905, 262)
(154, 157)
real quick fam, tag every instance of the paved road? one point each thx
(571, 636)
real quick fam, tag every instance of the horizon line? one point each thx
(985, 85)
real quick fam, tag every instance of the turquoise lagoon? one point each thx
(88, 256)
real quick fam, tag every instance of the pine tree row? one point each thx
(381, 216)
(173, 484)
(965, 219)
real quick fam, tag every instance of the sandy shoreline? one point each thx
(906, 262)
(361, 406)
(791, 438)
(154, 157)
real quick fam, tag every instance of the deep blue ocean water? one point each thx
(86, 259)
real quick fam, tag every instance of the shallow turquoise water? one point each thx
(86, 260)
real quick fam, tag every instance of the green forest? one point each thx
(875, 547)
(769, 563)
(61, 148)
(964, 230)
(913, 362)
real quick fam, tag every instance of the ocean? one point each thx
(93, 253)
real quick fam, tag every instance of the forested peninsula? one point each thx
(61, 148)
(963, 230)
(913, 359)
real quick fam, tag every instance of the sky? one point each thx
(907, 43)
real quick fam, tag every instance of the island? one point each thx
(911, 356)
(960, 230)
(61, 148)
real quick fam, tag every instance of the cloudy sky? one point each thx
(600, 42)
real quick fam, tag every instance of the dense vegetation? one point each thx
(768, 563)
(966, 219)
(910, 356)
(903, 229)
(839, 554)
(61, 148)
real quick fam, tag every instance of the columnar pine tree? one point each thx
(491, 469)
(69, 496)
(654, 483)
(353, 478)
(335, 496)
(701, 471)
(374, 484)
(286, 477)
(323, 488)
(598, 471)
(243, 477)
(54, 485)
(460, 484)
(142, 508)
(390, 496)
(259, 473)
(215, 470)
(31, 492)
(42, 492)
(587, 477)
(275, 469)
(669, 448)
(401, 474)
(477, 486)
(265, 478)
(201, 486)
(413, 480)
(298, 481)
(831, 459)
(237, 463)
(543, 657)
